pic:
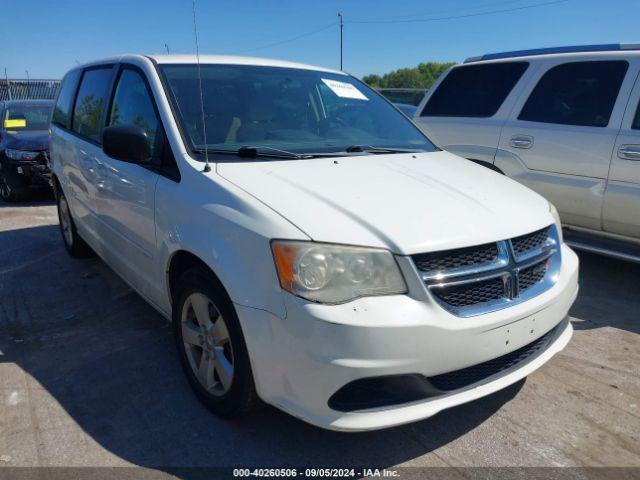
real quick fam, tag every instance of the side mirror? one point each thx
(128, 143)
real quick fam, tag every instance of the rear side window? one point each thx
(577, 93)
(62, 111)
(132, 105)
(91, 103)
(474, 90)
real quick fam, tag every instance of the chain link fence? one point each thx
(28, 89)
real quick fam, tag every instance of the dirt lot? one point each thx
(89, 376)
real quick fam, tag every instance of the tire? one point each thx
(74, 243)
(11, 188)
(214, 355)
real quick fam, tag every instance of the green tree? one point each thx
(421, 76)
(372, 80)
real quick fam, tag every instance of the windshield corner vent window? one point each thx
(474, 90)
(576, 93)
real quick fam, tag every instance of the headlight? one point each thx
(20, 154)
(328, 273)
(556, 217)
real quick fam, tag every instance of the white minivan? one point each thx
(563, 121)
(311, 246)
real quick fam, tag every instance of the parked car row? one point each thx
(311, 246)
(24, 147)
(564, 122)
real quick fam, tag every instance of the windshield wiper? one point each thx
(265, 151)
(254, 152)
(372, 149)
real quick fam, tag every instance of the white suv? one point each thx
(310, 245)
(563, 121)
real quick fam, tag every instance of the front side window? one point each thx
(577, 93)
(132, 105)
(474, 90)
(91, 103)
(301, 111)
(62, 111)
(26, 117)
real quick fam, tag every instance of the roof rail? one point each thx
(607, 47)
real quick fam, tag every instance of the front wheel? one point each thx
(74, 243)
(212, 349)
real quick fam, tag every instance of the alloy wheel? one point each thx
(207, 344)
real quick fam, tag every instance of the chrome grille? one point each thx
(528, 277)
(532, 241)
(470, 293)
(461, 257)
(474, 280)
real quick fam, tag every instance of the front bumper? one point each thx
(34, 171)
(300, 361)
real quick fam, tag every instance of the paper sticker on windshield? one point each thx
(18, 123)
(344, 90)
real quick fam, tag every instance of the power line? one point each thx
(448, 10)
(408, 20)
(454, 17)
(287, 40)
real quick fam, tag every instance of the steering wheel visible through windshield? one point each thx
(293, 110)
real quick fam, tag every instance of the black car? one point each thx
(24, 147)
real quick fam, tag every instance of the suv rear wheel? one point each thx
(211, 345)
(73, 242)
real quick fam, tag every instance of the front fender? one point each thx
(228, 230)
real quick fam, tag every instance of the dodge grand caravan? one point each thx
(310, 245)
(563, 121)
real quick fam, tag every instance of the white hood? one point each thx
(408, 203)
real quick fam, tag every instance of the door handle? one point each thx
(629, 152)
(521, 141)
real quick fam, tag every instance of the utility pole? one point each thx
(28, 84)
(341, 28)
(167, 47)
(6, 77)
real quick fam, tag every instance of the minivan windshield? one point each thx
(295, 111)
(27, 117)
